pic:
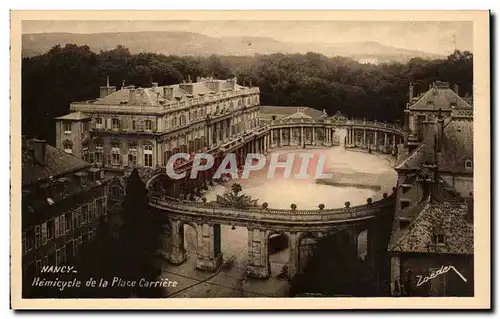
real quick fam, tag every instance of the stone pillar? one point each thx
(293, 263)
(364, 137)
(290, 137)
(385, 142)
(313, 136)
(258, 256)
(272, 137)
(375, 140)
(209, 248)
(177, 254)
(281, 138)
(302, 137)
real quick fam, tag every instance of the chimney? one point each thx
(410, 93)
(470, 208)
(168, 92)
(106, 90)
(39, 148)
(131, 96)
(455, 88)
(440, 132)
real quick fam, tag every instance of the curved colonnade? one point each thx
(263, 222)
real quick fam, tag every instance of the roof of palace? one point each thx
(440, 96)
(414, 160)
(447, 219)
(153, 95)
(75, 116)
(289, 110)
(57, 162)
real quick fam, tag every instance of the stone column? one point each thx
(293, 262)
(302, 137)
(272, 137)
(281, 137)
(290, 137)
(385, 142)
(375, 140)
(177, 254)
(258, 256)
(313, 136)
(364, 137)
(209, 248)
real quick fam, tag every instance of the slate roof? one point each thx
(458, 145)
(414, 160)
(444, 218)
(75, 116)
(151, 96)
(441, 97)
(57, 163)
(289, 110)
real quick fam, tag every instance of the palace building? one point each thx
(143, 127)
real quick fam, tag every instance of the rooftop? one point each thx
(458, 145)
(57, 163)
(156, 95)
(447, 219)
(75, 116)
(440, 96)
(289, 110)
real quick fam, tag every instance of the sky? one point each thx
(440, 37)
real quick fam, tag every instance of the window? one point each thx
(63, 254)
(38, 237)
(67, 127)
(44, 234)
(98, 120)
(148, 155)
(115, 153)
(133, 125)
(68, 147)
(440, 239)
(86, 126)
(115, 124)
(148, 125)
(99, 207)
(62, 225)
(50, 229)
(132, 159)
(468, 164)
(85, 213)
(85, 151)
(68, 219)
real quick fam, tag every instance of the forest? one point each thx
(51, 81)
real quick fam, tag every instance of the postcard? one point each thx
(250, 160)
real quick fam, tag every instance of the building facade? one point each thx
(433, 220)
(143, 127)
(64, 200)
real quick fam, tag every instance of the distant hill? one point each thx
(188, 43)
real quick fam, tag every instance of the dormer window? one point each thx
(440, 239)
(468, 164)
(67, 127)
(68, 147)
(430, 104)
(148, 125)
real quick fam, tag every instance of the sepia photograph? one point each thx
(248, 156)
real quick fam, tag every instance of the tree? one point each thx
(235, 199)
